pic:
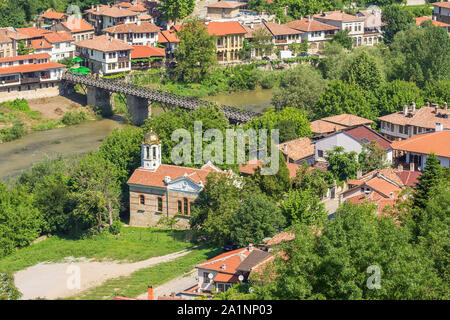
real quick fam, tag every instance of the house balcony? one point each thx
(329, 36)
(120, 59)
(284, 41)
(9, 82)
(28, 80)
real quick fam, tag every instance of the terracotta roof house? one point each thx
(351, 140)
(29, 76)
(282, 35)
(230, 37)
(139, 33)
(105, 16)
(80, 29)
(314, 31)
(298, 150)
(141, 54)
(381, 187)
(418, 147)
(104, 54)
(226, 269)
(411, 121)
(250, 167)
(337, 123)
(158, 190)
(441, 11)
(436, 23)
(344, 21)
(223, 9)
(33, 32)
(52, 17)
(169, 39)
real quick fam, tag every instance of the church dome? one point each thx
(151, 138)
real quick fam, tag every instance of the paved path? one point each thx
(59, 280)
(176, 285)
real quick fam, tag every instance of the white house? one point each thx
(344, 21)
(139, 33)
(104, 54)
(441, 11)
(351, 140)
(104, 16)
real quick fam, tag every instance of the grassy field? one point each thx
(137, 283)
(133, 244)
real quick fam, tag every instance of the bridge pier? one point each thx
(101, 99)
(138, 109)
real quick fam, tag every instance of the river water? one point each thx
(17, 155)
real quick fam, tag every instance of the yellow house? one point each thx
(230, 39)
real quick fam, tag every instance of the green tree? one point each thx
(336, 61)
(396, 19)
(20, 220)
(391, 96)
(342, 97)
(176, 9)
(364, 72)
(8, 290)
(95, 192)
(287, 130)
(343, 165)
(372, 157)
(421, 54)
(300, 88)
(276, 184)
(303, 206)
(262, 42)
(196, 54)
(315, 180)
(255, 219)
(437, 91)
(343, 39)
(22, 50)
(429, 180)
(272, 119)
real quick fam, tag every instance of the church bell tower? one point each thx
(151, 151)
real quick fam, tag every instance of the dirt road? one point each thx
(60, 280)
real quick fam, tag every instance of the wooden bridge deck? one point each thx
(233, 114)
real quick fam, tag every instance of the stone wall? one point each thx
(30, 91)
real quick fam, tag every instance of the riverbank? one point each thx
(20, 117)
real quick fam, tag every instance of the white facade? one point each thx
(342, 140)
(140, 39)
(62, 50)
(107, 62)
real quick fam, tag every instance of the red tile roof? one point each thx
(280, 29)
(426, 143)
(31, 67)
(297, 149)
(225, 28)
(54, 15)
(146, 51)
(425, 117)
(26, 57)
(226, 5)
(56, 37)
(442, 4)
(79, 25)
(348, 120)
(156, 178)
(143, 27)
(33, 32)
(251, 165)
(363, 132)
(168, 36)
(436, 23)
(310, 25)
(40, 44)
(337, 15)
(115, 12)
(104, 43)
(409, 178)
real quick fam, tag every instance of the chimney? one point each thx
(97, 8)
(436, 107)
(391, 195)
(138, 22)
(92, 5)
(150, 293)
(223, 267)
(445, 106)
(358, 174)
(413, 106)
(427, 104)
(411, 166)
(405, 110)
(439, 127)
(400, 168)
(167, 179)
(252, 26)
(250, 247)
(285, 147)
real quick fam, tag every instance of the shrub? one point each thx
(74, 117)
(115, 227)
(17, 131)
(17, 105)
(8, 290)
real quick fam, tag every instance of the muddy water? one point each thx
(256, 100)
(18, 155)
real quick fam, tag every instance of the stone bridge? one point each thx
(99, 94)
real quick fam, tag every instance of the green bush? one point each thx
(16, 105)
(115, 227)
(8, 290)
(74, 117)
(17, 131)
